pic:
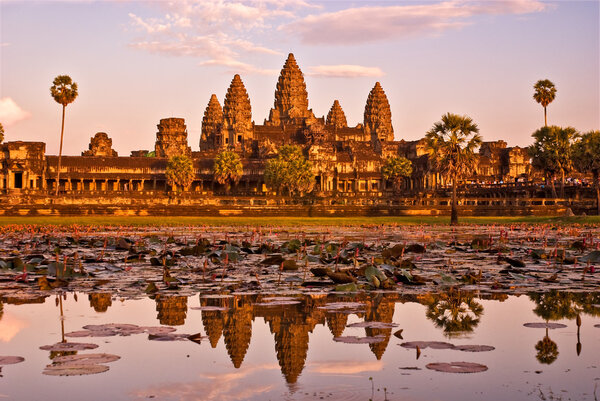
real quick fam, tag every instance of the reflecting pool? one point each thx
(223, 345)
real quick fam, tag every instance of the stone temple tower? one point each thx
(336, 116)
(237, 115)
(212, 123)
(378, 115)
(291, 97)
(171, 138)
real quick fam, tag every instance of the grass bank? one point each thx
(285, 221)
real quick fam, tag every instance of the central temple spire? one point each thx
(291, 97)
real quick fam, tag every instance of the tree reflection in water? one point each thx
(558, 305)
(456, 312)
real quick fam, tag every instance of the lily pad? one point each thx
(457, 367)
(9, 360)
(74, 370)
(544, 325)
(374, 325)
(359, 340)
(474, 348)
(85, 359)
(427, 344)
(68, 347)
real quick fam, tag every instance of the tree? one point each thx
(586, 158)
(180, 172)
(551, 153)
(228, 168)
(456, 311)
(396, 169)
(290, 170)
(451, 144)
(64, 92)
(1, 133)
(544, 94)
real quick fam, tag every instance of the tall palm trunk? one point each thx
(551, 179)
(545, 118)
(597, 185)
(454, 211)
(562, 184)
(62, 131)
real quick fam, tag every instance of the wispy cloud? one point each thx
(344, 71)
(11, 112)
(377, 23)
(214, 31)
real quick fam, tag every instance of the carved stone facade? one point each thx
(100, 146)
(336, 117)
(378, 115)
(237, 115)
(291, 97)
(171, 138)
(212, 122)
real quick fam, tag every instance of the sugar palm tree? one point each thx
(451, 144)
(228, 168)
(586, 157)
(544, 94)
(64, 92)
(180, 171)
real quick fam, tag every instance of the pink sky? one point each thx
(136, 62)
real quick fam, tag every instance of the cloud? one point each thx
(375, 23)
(10, 112)
(344, 71)
(220, 31)
(229, 386)
(11, 325)
(345, 367)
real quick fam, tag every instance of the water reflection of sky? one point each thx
(288, 352)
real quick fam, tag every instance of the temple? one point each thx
(347, 160)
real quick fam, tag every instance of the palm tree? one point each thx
(451, 144)
(544, 94)
(586, 157)
(228, 168)
(64, 92)
(551, 152)
(180, 171)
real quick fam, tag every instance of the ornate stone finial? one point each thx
(100, 145)
(211, 125)
(171, 138)
(237, 114)
(336, 116)
(291, 97)
(378, 116)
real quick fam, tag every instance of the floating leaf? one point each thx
(545, 325)
(74, 370)
(68, 347)
(374, 325)
(427, 344)
(350, 287)
(9, 360)
(457, 367)
(85, 359)
(474, 348)
(360, 340)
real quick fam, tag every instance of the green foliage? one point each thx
(396, 169)
(451, 144)
(151, 154)
(228, 167)
(586, 153)
(545, 92)
(290, 170)
(1, 133)
(180, 171)
(552, 149)
(63, 90)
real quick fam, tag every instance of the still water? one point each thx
(289, 346)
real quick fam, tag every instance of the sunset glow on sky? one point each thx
(139, 61)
